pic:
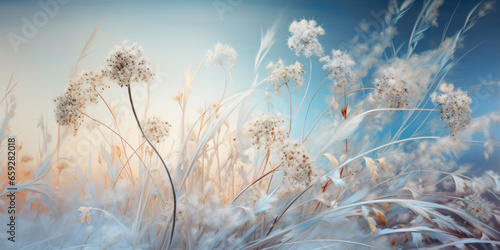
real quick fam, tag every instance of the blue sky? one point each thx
(176, 34)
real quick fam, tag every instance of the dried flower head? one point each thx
(81, 90)
(281, 75)
(304, 38)
(455, 108)
(177, 96)
(392, 88)
(297, 166)
(126, 64)
(339, 69)
(221, 54)
(156, 130)
(266, 131)
(478, 207)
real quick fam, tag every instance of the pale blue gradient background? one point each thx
(176, 34)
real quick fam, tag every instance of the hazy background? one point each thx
(175, 34)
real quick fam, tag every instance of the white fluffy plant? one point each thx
(258, 184)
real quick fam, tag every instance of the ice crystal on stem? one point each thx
(266, 131)
(392, 88)
(156, 130)
(478, 207)
(221, 54)
(281, 75)
(339, 68)
(297, 165)
(455, 108)
(126, 64)
(304, 38)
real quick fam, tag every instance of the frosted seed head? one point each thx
(126, 64)
(339, 68)
(156, 130)
(221, 54)
(281, 75)
(266, 132)
(304, 39)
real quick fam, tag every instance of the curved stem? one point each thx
(307, 89)
(121, 139)
(162, 161)
(290, 96)
(309, 106)
(253, 183)
(336, 101)
(289, 205)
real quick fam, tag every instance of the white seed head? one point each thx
(126, 64)
(297, 166)
(455, 109)
(478, 207)
(156, 130)
(221, 54)
(281, 75)
(339, 68)
(392, 88)
(266, 131)
(304, 38)
(81, 90)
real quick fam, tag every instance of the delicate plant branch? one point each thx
(254, 182)
(162, 161)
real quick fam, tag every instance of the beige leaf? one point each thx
(332, 159)
(370, 164)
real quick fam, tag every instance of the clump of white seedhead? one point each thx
(81, 90)
(221, 54)
(304, 38)
(392, 88)
(281, 75)
(126, 64)
(266, 131)
(339, 68)
(156, 130)
(297, 166)
(478, 207)
(455, 108)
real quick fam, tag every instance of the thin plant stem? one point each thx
(119, 132)
(253, 183)
(331, 105)
(162, 161)
(290, 96)
(309, 106)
